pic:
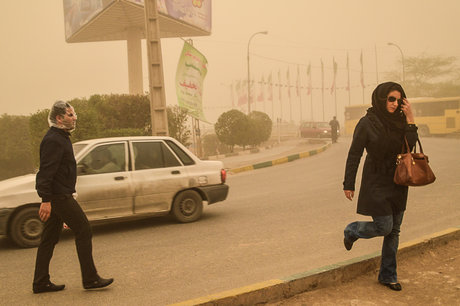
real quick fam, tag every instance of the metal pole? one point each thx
(134, 47)
(335, 99)
(249, 74)
(402, 60)
(322, 85)
(348, 84)
(376, 65)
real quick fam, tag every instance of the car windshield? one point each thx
(322, 124)
(78, 147)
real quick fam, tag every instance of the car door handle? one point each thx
(119, 178)
(175, 172)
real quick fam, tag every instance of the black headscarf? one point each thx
(392, 121)
(391, 125)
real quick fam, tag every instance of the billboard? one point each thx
(191, 71)
(77, 13)
(194, 12)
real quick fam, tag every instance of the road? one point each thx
(277, 221)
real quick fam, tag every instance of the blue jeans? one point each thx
(387, 226)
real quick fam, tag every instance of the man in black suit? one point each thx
(55, 184)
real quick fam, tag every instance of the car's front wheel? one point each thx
(26, 228)
(187, 206)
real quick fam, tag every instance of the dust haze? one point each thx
(39, 67)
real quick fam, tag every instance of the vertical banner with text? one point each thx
(190, 74)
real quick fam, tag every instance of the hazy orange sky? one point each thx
(39, 67)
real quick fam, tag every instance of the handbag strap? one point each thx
(415, 147)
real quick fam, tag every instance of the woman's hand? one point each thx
(407, 109)
(349, 194)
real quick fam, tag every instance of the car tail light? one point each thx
(223, 175)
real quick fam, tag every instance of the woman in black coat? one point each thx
(381, 132)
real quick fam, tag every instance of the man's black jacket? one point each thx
(58, 170)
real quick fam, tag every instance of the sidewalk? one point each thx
(430, 276)
(429, 271)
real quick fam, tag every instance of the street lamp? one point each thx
(249, 76)
(402, 57)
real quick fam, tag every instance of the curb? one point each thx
(246, 152)
(279, 161)
(279, 289)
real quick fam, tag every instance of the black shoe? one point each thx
(395, 286)
(50, 287)
(347, 243)
(99, 283)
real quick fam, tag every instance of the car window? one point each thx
(151, 155)
(103, 159)
(186, 160)
(78, 147)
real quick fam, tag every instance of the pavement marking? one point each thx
(230, 293)
(278, 161)
(241, 169)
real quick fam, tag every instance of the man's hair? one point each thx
(59, 108)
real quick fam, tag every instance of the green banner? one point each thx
(190, 74)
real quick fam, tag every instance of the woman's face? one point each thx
(392, 106)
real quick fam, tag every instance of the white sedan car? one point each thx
(120, 178)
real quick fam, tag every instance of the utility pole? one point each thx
(158, 114)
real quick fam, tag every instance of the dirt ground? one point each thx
(432, 278)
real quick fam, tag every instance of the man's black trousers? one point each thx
(65, 209)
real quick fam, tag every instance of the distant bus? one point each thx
(433, 116)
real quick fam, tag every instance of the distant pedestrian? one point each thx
(381, 132)
(335, 127)
(55, 184)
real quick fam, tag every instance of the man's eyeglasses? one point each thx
(393, 99)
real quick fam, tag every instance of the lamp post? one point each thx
(402, 58)
(249, 75)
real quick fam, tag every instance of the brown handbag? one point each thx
(412, 169)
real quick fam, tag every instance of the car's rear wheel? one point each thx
(26, 228)
(187, 206)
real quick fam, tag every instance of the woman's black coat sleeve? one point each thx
(354, 155)
(411, 135)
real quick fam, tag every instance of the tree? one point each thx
(38, 126)
(89, 124)
(99, 116)
(434, 76)
(232, 128)
(261, 127)
(15, 150)
(120, 111)
(177, 124)
(212, 145)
